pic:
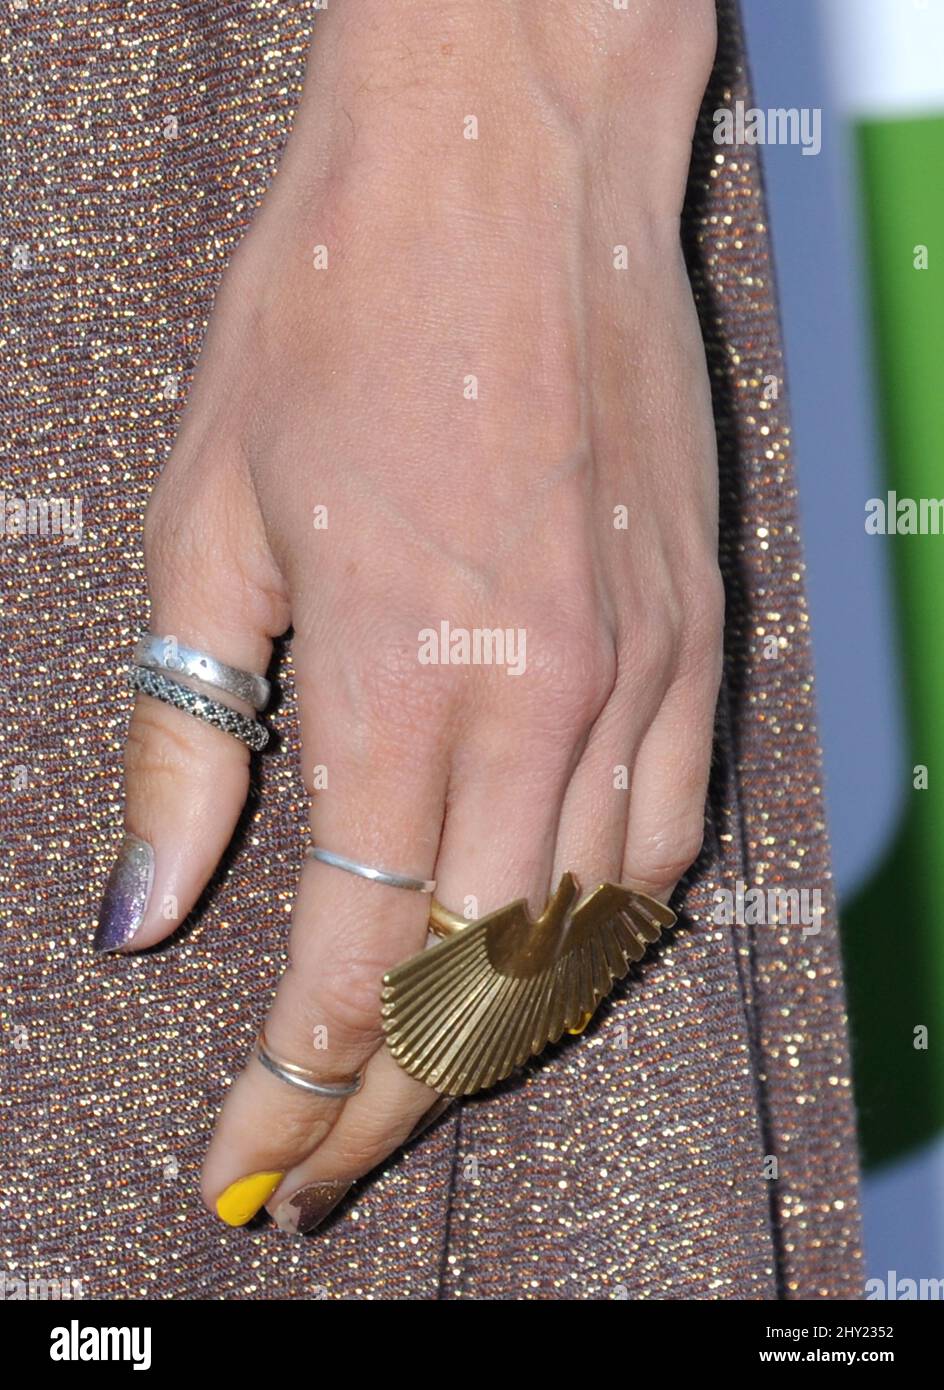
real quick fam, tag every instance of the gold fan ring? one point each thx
(491, 993)
(444, 923)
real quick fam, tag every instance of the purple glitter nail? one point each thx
(126, 895)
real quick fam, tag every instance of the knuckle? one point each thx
(700, 660)
(680, 631)
(350, 1005)
(693, 37)
(388, 686)
(175, 558)
(293, 1129)
(203, 537)
(653, 643)
(665, 858)
(705, 608)
(572, 672)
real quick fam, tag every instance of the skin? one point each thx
(346, 387)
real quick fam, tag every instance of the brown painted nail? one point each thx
(307, 1208)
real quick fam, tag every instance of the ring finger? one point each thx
(382, 811)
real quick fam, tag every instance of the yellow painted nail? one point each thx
(242, 1199)
(582, 1024)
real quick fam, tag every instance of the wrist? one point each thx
(539, 95)
(587, 59)
(584, 49)
(578, 51)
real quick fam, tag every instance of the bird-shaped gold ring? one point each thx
(465, 1013)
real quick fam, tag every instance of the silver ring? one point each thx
(152, 683)
(300, 1077)
(351, 866)
(167, 654)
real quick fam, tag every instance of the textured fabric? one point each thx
(629, 1162)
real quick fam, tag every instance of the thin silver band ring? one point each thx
(385, 876)
(167, 654)
(301, 1077)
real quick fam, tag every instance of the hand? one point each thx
(506, 421)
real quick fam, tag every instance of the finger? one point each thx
(503, 811)
(506, 814)
(507, 783)
(382, 808)
(670, 780)
(391, 1109)
(498, 848)
(591, 837)
(214, 587)
(497, 844)
(511, 771)
(506, 794)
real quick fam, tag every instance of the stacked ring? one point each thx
(221, 716)
(159, 664)
(163, 654)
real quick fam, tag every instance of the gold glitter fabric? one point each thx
(698, 1141)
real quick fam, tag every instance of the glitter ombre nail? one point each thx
(126, 895)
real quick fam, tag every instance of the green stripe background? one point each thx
(893, 929)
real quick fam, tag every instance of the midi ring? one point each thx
(162, 688)
(165, 654)
(385, 876)
(294, 1075)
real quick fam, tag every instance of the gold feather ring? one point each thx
(465, 1013)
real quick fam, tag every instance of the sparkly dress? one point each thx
(698, 1141)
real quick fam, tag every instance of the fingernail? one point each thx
(243, 1198)
(126, 895)
(309, 1206)
(438, 1108)
(581, 1026)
